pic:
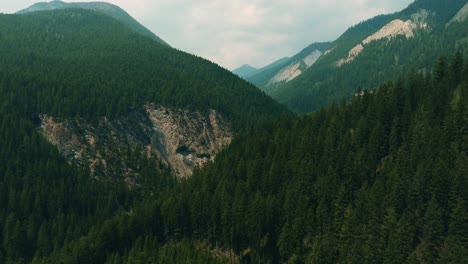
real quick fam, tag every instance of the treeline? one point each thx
(46, 203)
(80, 64)
(381, 179)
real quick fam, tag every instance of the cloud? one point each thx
(256, 32)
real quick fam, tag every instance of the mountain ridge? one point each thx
(96, 119)
(363, 50)
(101, 73)
(102, 7)
(287, 68)
(325, 83)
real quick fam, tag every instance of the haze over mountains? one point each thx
(384, 46)
(117, 148)
(245, 71)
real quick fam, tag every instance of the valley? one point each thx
(368, 54)
(118, 148)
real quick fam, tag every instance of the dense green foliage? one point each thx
(45, 202)
(379, 180)
(101, 7)
(78, 63)
(325, 83)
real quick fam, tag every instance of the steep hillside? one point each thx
(387, 46)
(379, 180)
(181, 139)
(95, 119)
(96, 79)
(103, 69)
(102, 7)
(461, 16)
(264, 74)
(286, 69)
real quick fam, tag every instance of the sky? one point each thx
(236, 32)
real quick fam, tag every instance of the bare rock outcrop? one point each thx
(188, 139)
(179, 138)
(295, 69)
(395, 28)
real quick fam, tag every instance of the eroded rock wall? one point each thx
(179, 138)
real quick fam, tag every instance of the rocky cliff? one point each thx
(179, 138)
(395, 28)
(186, 139)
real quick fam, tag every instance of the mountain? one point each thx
(286, 69)
(102, 7)
(96, 119)
(101, 127)
(266, 73)
(380, 179)
(245, 71)
(369, 53)
(184, 109)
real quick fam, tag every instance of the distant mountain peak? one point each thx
(245, 71)
(247, 66)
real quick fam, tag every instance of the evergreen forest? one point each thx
(378, 178)
(387, 59)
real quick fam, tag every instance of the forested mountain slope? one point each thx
(87, 76)
(102, 7)
(379, 180)
(374, 51)
(78, 63)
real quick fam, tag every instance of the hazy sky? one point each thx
(234, 32)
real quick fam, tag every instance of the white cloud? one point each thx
(256, 32)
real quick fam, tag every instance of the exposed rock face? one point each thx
(353, 53)
(188, 139)
(295, 69)
(395, 28)
(179, 138)
(287, 74)
(312, 58)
